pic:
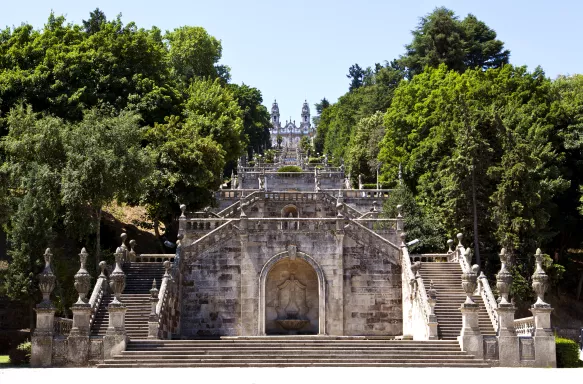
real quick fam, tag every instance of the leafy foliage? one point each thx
(567, 353)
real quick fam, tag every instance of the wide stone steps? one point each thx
(292, 352)
(136, 297)
(447, 282)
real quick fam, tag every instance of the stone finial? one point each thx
(123, 237)
(540, 280)
(167, 265)
(47, 280)
(399, 211)
(154, 290)
(468, 254)
(450, 245)
(102, 267)
(470, 282)
(432, 293)
(179, 238)
(182, 210)
(82, 279)
(415, 267)
(403, 237)
(459, 236)
(374, 206)
(503, 279)
(117, 279)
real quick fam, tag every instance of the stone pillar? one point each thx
(78, 341)
(153, 319)
(470, 338)
(335, 296)
(42, 338)
(115, 338)
(508, 343)
(544, 339)
(249, 285)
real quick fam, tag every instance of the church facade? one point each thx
(289, 135)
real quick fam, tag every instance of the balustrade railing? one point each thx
(290, 224)
(524, 326)
(488, 298)
(204, 225)
(62, 326)
(380, 226)
(430, 257)
(155, 257)
(99, 290)
(360, 193)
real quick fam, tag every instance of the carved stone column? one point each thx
(470, 338)
(544, 340)
(115, 338)
(42, 338)
(153, 326)
(78, 341)
(508, 347)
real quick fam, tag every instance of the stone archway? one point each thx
(292, 295)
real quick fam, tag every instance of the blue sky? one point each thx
(296, 50)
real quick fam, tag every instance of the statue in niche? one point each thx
(291, 305)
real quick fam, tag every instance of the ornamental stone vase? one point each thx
(540, 281)
(47, 280)
(503, 279)
(82, 279)
(470, 282)
(117, 279)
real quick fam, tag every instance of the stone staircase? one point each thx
(292, 351)
(447, 281)
(135, 296)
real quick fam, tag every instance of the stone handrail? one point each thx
(489, 300)
(204, 224)
(162, 297)
(258, 224)
(524, 326)
(234, 209)
(360, 193)
(62, 326)
(213, 237)
(371, 236)
(429, 257)
(414, 290)
(461, 250)
(95, 300)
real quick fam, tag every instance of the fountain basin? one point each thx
(292, 324)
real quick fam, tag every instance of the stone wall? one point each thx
(372, 292)
(293, 181)
(222, 291)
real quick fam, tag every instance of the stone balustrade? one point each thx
(62, 326)
(524, 326)
(203, 225)
(155, 257)
(488, 298)
(430, 257)
(360, 193)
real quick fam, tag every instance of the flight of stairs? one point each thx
(136, 297)
(297, 351)
(447, 280)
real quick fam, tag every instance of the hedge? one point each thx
(21, 354)
(567, 353)
(289, 168)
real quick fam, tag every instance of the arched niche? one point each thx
(277, 269)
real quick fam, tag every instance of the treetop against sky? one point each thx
(296, 50)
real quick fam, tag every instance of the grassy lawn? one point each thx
(4, 359)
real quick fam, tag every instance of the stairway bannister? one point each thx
(488, 298)
(98, 291)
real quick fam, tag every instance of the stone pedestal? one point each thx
(249, 292)
(42, 338)
(544, 339)
(115, 339)
(78, 341)
(508, 343)
(471, 339)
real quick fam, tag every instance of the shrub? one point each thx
(289, 168)
(21, 354)
(567, 353)
(374, 186)
(314, 160)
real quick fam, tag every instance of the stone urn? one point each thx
(117, 279)
(470, 283)
(503, 279)
(540, 281)
(82, 279)
(47, 280)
